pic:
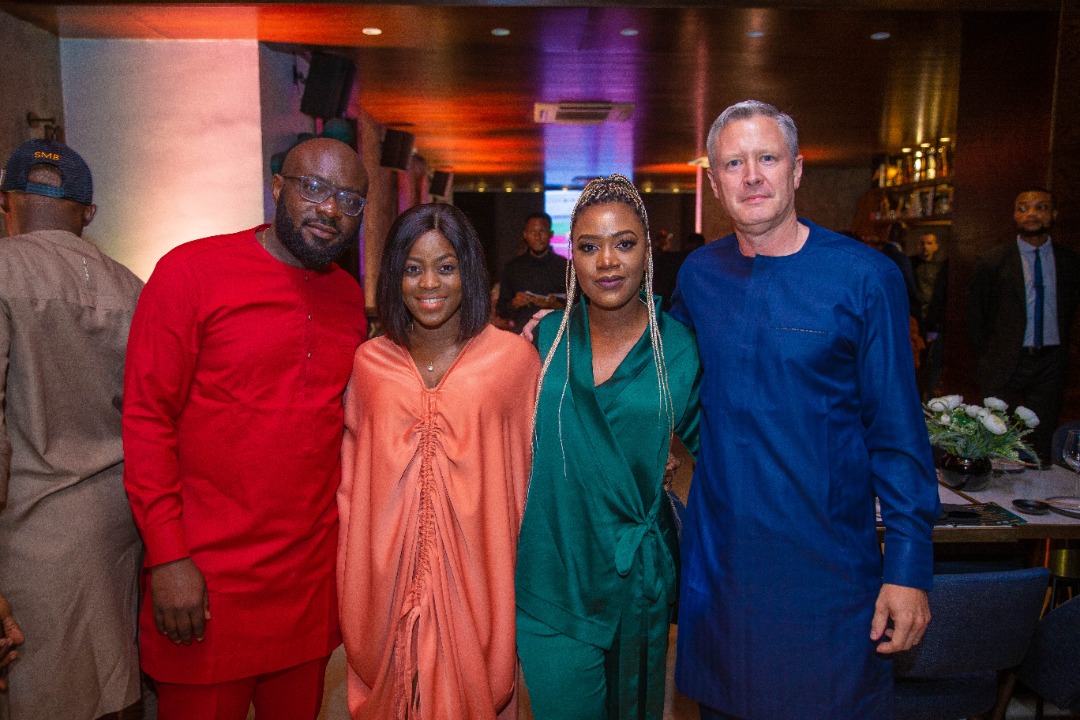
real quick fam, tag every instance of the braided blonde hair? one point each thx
(603, 191)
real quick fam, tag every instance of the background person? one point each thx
(931, 273)
(596, 574)
(809, 411)
(239, 356)
(531, 280)
(69, 551)
(438, 434)
(1022, 299)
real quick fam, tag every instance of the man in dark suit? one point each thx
(1022, 300)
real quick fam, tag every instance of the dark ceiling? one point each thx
(467, 95)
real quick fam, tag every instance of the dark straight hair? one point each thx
(452, 224)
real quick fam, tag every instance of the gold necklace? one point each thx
(431, 362)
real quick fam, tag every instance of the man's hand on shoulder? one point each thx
(181, 603)
(909, 610)
(529, 331)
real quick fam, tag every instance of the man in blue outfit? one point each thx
(810, 411)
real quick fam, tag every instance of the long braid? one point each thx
(600, 191)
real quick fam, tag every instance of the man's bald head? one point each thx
(322, 151)
(313, 233)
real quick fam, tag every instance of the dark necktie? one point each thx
(1038, 315)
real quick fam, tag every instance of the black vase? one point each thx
(959, 473)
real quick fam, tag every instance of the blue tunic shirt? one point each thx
(809, 410)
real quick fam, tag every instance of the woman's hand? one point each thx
(10, 636)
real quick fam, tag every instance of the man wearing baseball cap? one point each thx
(69, 551)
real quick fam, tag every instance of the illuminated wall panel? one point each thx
(171, 130)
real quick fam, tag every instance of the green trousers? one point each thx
(567, 679)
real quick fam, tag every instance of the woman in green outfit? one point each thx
(597, 559)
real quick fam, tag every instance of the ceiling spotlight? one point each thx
(628, 32)
(945, 139)
(905, 150)
(500, 32)
(881, 36)
(371, 31)
(755, 33)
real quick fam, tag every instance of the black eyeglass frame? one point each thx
(334, 191)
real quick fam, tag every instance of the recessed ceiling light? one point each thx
(628, 32)
(945, 139)
(905, 150)
(500, 32)
(881, 36)
(371, 31)
(756, 33)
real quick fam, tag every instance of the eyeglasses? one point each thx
(317, 191)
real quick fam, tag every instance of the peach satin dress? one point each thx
(431, 499)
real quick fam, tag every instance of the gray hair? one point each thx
(744, 111)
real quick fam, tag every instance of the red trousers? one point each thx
(291, 694)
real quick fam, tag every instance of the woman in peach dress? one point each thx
(435, 464)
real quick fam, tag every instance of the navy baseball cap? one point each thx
(76, 183)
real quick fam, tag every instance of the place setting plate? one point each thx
(1065, 504)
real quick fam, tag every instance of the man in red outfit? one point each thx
(239, 354)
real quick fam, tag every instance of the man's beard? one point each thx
(1036, 233)
(313, 257)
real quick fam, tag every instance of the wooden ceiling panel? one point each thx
(468, 95)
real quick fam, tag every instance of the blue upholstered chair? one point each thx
(981, 623)
(1052, 665)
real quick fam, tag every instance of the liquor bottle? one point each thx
(931, 164)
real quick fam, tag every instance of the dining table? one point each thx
(983, 511)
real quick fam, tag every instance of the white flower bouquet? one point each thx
(979, 431)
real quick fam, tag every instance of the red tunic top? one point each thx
(236, 367)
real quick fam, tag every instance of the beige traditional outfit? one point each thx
(431, 499)
(69, 552)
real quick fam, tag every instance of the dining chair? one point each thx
(1052, 665)
(981, 623)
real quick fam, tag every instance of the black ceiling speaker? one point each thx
(440, 183)
(397, 147)
(329, 83)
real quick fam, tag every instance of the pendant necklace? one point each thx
(431, 363)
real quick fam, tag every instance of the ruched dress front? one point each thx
(432, 494)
